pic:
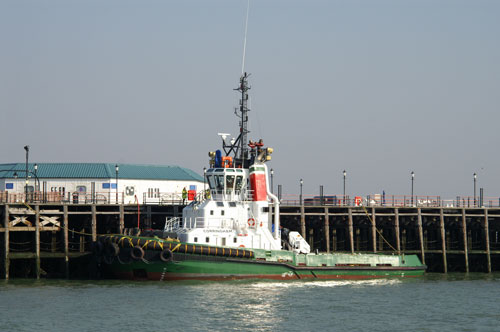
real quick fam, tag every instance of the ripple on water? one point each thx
(456, 302)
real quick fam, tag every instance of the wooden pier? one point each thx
(446, 239)
(55, 240)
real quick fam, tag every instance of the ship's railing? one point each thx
(172, 224)
(231, 195)
(207, 223)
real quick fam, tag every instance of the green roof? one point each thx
(100, 171)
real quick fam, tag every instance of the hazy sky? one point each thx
(378, 88)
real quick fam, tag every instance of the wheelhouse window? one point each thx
(207, 239)
(211, 181)
(239, 182)
(229, 182)
(219, 183)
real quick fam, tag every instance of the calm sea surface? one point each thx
(456, 302)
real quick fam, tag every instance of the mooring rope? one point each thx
(380, 233)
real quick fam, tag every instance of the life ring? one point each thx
(251, 222)
(166, 255)
(137, 253)
(242, 246)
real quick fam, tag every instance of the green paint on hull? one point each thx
(200, 267)
(193, 261)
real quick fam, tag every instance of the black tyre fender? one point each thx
(108, 259)
(97, 248)
(166, 255)
(137, 253)
(112, 249)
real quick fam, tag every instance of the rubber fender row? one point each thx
(111, 249)
(154, 244)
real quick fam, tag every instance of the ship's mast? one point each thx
(243, 148)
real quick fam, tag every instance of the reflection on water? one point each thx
(436, 302)
(326, 283)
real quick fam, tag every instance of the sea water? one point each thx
(435, 302)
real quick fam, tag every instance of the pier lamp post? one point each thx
(116, 172)
(36, 177)
(344, 184)
(301, 184)
(272, 186)
(27, 149)
(412, 179)
(475, 178)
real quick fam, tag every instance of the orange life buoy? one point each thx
(227, 162)
(251, 222)
(242, 245)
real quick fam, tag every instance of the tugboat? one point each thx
(229, 231)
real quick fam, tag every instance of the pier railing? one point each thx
(62, 197)
(390, 200)
(176, 198)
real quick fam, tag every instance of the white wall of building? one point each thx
(146, 191)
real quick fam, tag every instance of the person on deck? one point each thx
(184, 195)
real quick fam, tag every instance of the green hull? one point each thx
(238, 270)
(264, 264)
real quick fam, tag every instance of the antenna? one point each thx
(239, 146)
(224, 136)
(245, 41)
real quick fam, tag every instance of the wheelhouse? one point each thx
(227, 183)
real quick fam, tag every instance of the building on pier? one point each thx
(102, 183)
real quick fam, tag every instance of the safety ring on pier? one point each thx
(251, 222)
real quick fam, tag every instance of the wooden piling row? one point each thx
(437, 234)
(36, 220)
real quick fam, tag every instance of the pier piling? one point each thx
(465, 241)
(443, 240)
(6, 261)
